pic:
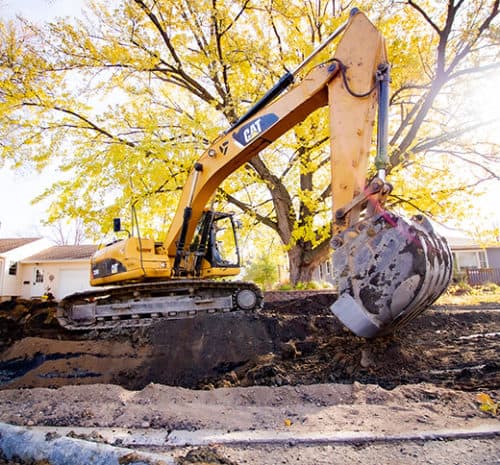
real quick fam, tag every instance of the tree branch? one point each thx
(455, 154)
(250, 210)
(475, 70)
(187, 81)
(425, 15)
(445, 137)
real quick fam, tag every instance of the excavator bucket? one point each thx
(389, 270)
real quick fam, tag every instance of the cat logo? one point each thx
(254, 128)
(252, 131)
(223, 147)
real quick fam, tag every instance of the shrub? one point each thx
(263, 272)
(491, 287)
(313, 285)
(460, 288)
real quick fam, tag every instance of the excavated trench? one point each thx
(294, 340)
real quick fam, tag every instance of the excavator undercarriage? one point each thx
(142, 304)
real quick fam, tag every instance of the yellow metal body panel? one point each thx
(138, 257)
(352, 118)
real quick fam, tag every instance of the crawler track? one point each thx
(139, 305)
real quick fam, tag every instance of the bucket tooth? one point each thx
(355, 317)
(388, 273)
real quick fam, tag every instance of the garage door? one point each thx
(72, 281)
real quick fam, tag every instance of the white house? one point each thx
(12, 251)
(469, 254)
(60, 270)
(31, 267)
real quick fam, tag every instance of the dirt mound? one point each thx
(203, 456)
(21, 317)
(294, 340)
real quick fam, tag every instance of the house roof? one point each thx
(466, 243)
(14, 243)
(63, 252)
(456, 242)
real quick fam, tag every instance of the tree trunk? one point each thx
(304, 260)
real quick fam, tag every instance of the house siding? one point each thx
(464, 259)
(324, 272)
(2, 265)
(493, 257)
(10, 287)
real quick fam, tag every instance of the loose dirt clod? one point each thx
(17, 461)
(203, 456)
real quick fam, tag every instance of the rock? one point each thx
(289, 351)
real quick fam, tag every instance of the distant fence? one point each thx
(479, 276)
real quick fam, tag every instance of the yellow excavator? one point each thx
(388, 269)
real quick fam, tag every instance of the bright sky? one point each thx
(40, 10)
(19, 218)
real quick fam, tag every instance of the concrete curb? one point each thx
(153, 438)
(33, 444)
(266, 437)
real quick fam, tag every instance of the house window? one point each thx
(39, 276)
(13, 269)
(470, 259)
(482, 259)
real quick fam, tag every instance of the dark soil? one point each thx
(17, 461)
(295, 339)
(203, 456)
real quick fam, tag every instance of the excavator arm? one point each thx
(359, 54)
(388, 269)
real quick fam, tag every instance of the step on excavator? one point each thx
(389, 269)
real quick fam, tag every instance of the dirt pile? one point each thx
(294, 340)
(291, 370)
(21, 317)
(275, 416)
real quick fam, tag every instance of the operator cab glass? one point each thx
(222, 245)
(215, 241)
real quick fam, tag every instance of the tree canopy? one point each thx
(121, 103)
